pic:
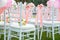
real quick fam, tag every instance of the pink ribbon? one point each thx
(39, 14)
(58, 17)
(56, 3)
(27, 13)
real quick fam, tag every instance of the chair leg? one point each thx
(53, 33)
(35, 35)
(59, 29)
(5, 34)
(20, 36)
(23, 36)
(0, 35)
(41, 34)
(38, 34)
(9, 33)
(47, 32)
(28, 35)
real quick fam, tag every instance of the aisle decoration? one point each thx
(29, 8)
(39, 14)
(56, 5)
(4, 4)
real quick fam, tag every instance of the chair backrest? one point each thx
(45, 14)
(29, 11)
(39, 15)
(2, 15)
(53, 12)
(17, 15)
(48, 14)
(14, 14)
(58, 14)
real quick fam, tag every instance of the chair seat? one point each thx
(46, 23)
(2, 23)
(16, 26)
(27, 27)
(49, 23)
(32, 20)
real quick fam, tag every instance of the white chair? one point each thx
(3, 24)
(51, 23)
(39, 12)
(6, 23)
(1, 28)
(17, 26)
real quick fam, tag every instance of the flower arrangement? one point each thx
(23, 21)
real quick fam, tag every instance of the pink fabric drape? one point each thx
(47, 14)
(29, 11)
(39, 14)
(56, 5)
(2, 9)
(58, 17)
(9, 3)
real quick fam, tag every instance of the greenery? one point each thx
(44, 37)
(36, 2)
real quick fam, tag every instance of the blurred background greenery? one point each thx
(36, 2)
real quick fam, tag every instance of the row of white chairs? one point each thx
(15, 24)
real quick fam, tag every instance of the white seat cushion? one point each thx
(2, 23)
(27, 26)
